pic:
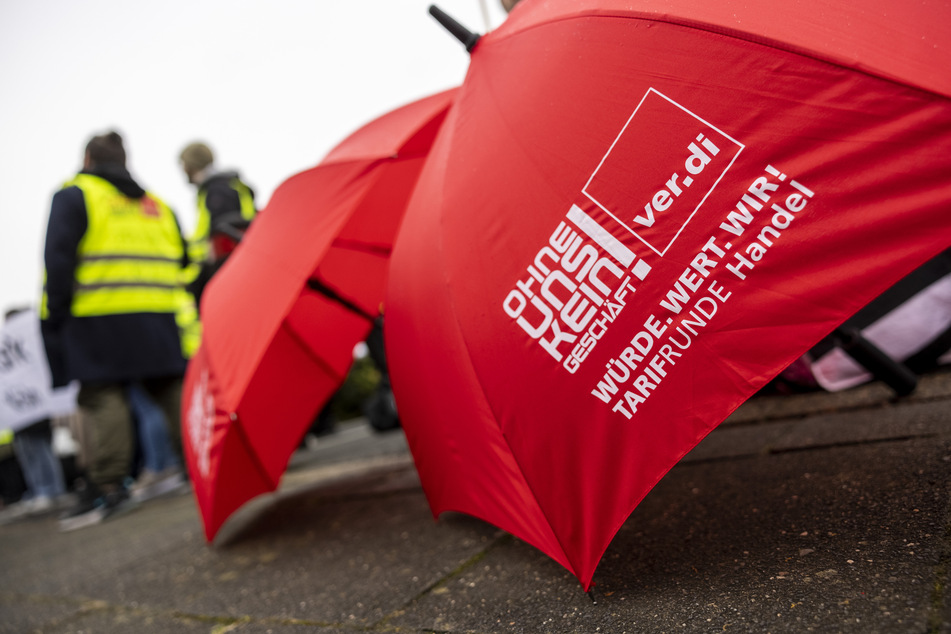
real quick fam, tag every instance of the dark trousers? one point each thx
(105, 434)
(106, 437)
(167, 394)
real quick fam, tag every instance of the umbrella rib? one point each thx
(305, 347)
(826, 57)
(251, 452)
(518, 463)
(521, 468)
(471, 361)
(365, 247)
(324, 289)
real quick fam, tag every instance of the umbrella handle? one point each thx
(461, 33)
(894, 373)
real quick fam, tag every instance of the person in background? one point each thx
(508, 4)
(114, 256)
(12, 486)
(223, 199)
(42, 472)
(32, 442)
(161, 465)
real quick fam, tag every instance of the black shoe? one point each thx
(87, 494)
(94, 510)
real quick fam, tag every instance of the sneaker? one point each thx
(40, 505)
(27, 508)
(94, 511)
(152, 484)
(63, 502)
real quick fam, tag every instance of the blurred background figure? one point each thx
(161, 467)
(42, 471)
(225, 208)
(27, 404)
(114, 258)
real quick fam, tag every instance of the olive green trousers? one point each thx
(106, 434)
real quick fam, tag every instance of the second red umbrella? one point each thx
(281, 318)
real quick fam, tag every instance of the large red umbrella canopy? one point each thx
(636, 214)
(281, 318)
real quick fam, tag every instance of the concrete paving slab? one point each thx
(351, 552)
(92, 617)
(23, 613)
(830, 515)
(843, 539)
(739, 440)
(934, 386)
(37, 558)
(914, 419)
(99, 617)
(887, 422)
(837, 540)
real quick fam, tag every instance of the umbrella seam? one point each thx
(305, 347)
(446, 132)
(371, 248)
(737, 34)
(250, 449)
(495, 415)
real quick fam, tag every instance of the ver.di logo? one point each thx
(655, 176)
(660, 170)
(200, 421)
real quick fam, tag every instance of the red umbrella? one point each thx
(635, 215)
(281, 318)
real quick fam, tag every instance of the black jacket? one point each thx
(220, 197)
(102, 349)
(224, 205)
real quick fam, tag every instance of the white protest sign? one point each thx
(26, 395)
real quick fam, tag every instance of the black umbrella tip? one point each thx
(461, 33)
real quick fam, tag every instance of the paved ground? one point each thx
(824, 513)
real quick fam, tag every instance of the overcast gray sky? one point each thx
(270, 86)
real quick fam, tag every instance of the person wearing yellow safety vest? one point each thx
(114, 257)
(225, 203)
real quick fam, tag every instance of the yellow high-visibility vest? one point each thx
(199, 245)
(189, 324)
(130, 258)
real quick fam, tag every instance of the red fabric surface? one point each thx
(273, 349)
(570, 126)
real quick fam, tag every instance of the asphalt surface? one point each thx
(813, 513)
